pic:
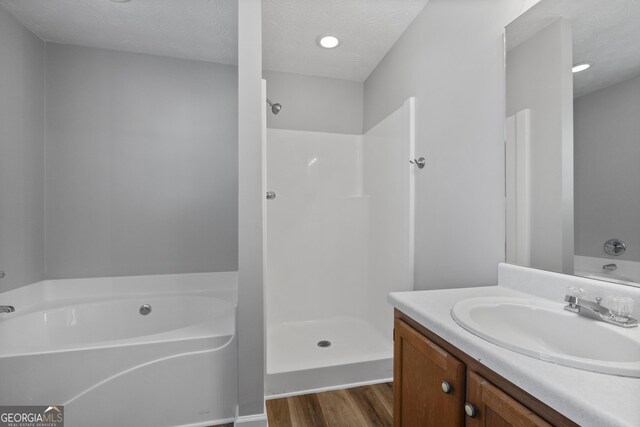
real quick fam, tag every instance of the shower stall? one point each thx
(339, 238)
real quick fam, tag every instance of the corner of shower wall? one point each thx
(389, 180)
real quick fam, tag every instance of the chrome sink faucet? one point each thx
(618, 313)
(7, 309)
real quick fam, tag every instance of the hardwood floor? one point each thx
(367, 406)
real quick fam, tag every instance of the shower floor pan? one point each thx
(325, 354)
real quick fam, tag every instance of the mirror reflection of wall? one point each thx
(539, 80)
(607, 179)
(587, 183)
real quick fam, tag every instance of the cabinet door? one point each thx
(494, 408)
(428, 385)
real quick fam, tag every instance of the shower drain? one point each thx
(324, 343)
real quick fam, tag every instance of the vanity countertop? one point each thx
(587, 398)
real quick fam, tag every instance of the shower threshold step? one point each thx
(325, 354)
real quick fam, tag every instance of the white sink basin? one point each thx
(542, 329)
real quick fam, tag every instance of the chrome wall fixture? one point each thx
(7, 309)
(419, 162)
(614, 247)
(275, 108)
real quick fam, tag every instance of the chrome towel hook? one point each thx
(419, 162)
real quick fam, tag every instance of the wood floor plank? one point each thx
(367, 406)
(306, 411)
(385, 394)
(371, 406)
(278, 413)
(339, 407)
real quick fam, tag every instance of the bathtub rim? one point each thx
(31, 297)
(54, 294)
(591, 268)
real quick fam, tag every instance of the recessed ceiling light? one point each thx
(580, 67)
(327, 41)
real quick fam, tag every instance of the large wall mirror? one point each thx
(573, 139)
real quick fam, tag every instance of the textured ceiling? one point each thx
(193, 29)
(367, 28)
(605, 33)
(207, 29)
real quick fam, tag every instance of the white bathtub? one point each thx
(83, 344)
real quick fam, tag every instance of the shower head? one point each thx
(275, 108)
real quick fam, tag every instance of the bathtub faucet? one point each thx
(7, 309)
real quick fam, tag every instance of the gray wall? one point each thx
(21, 154)
(315, 103)
(607, 172)
(141, 164)
(451, 59)
(539, 78)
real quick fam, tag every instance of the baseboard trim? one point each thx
(257, 420)
(222, 421)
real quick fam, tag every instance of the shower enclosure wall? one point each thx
(339, 239)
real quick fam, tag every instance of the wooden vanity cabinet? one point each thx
(495, 408)
(428, 382)
(436, 384)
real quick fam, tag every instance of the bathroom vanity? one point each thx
(445, 375)
(431, 376)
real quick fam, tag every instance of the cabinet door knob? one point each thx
(446, 387)
(470, 410)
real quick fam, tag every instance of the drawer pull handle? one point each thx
(446, 387)
(470, 410)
